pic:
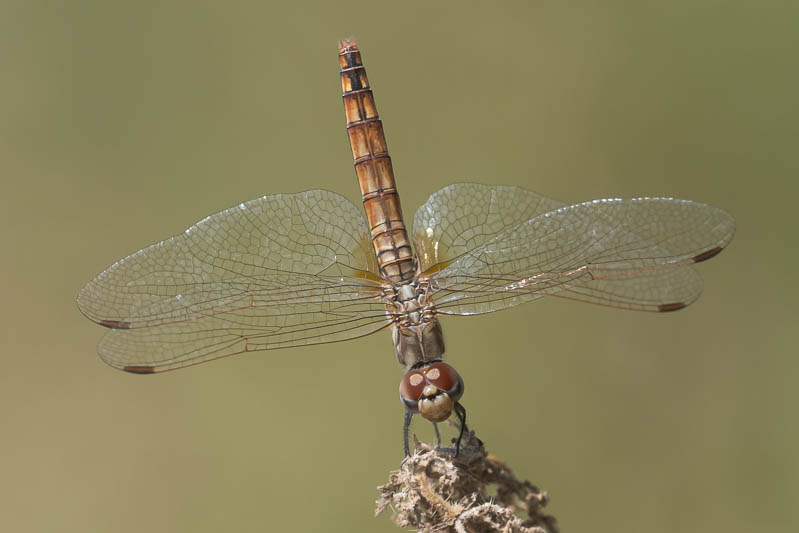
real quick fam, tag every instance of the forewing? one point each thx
(278, 271)
(632, 254)
(464, 216)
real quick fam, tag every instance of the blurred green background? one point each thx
(122, 123)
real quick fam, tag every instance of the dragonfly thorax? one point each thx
(416, 333)
(410, 306)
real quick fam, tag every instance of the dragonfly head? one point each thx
(431, 390)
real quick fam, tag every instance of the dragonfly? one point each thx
(289, 270)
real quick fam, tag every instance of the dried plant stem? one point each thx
(474, 493)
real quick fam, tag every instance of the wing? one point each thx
(632, 254)
(275, 272)
(464, 216)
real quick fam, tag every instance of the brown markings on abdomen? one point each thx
(374, 170)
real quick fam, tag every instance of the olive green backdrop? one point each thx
(122, 123)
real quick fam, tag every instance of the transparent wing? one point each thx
(632, 254)
(278, 271)
(464, 216)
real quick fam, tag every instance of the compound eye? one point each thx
(445, 378)
(411, 389)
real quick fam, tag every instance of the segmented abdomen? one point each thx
(373, 167)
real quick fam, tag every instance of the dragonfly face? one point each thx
(432, 390)
(291, 270)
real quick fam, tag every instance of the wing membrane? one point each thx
(464, 216)
(632, 254)
(278, 271)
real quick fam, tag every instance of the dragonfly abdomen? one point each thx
(374, 170)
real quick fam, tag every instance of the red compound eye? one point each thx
(411, 388)
(444, 377)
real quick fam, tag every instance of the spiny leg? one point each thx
(438, 435)
(408, 416)
(460, 412)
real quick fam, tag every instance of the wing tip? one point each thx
(676, 306)
(139, 369)
(707, 254)
(114, 324)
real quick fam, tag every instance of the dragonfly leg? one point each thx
(438, 435)
(408, 416)
(460, 412)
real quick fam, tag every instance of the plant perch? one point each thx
(434, 491)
